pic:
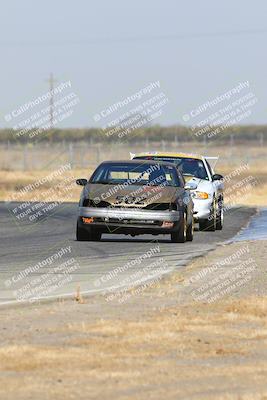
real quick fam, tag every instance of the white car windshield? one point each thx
(187, 166)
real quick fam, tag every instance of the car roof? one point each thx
(169, 154)
(136, 161)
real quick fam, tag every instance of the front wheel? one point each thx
(180, 235)
(209, 225)
(219, 218)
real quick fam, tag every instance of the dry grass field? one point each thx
(207, 352)
(237, 162)
(160, 344)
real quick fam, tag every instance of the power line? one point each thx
(108, 40)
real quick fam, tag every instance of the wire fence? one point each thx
(28, 157)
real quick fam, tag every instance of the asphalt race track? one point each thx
(44, 260)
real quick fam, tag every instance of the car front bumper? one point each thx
(132, 221)
(202, 208)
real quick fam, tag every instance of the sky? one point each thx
(111, 49)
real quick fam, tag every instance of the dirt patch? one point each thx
(160, 344)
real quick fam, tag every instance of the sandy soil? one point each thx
(166, 342)
(198, 334)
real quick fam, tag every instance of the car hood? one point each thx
(202, 184)
(139, 196)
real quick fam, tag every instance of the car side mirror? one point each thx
(217, 177)
(190, 186)
(81, 181)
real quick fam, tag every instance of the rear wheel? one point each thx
(180, 235)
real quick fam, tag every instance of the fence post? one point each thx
(25, 157)
(81, 156)
(97, 154)
(261, 139)
(71, 155)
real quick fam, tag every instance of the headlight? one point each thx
(86, 202)
(200, 195)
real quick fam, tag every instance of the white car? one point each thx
(206, 186)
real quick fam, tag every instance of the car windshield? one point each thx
(135, 174)
(187, 166)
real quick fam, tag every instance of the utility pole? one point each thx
(51, 82)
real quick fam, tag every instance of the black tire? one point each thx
(219, 217)
(180, 235)
(203, 224)
(190, 231)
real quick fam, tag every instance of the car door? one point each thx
(217, 185)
